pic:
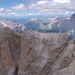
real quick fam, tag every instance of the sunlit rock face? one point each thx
(66, 61)
(34, 53)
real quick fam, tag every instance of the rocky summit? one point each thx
(35, 53)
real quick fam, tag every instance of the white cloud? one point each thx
(13, 14)
(62, 1)
(1, 9)
(33, 14)
(10, 15)
(68, 12)
(53, 6)
(41, 2)
(19, 15)
(19, 7)
(45, 7)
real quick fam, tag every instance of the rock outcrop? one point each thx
(34, 53)
(10, 47)
(39, 51)
(65, 63)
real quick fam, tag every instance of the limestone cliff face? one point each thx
(10, 47)
(34, 53)
(66, 61)
(39, 51)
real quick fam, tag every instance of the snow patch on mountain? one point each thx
(4, 24)
(33, 19)
(12, 25)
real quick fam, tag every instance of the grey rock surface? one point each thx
(35, 53)
(65, 63)
(39, 51)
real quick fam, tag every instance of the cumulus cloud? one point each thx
(53, 6)
(41, 2)
(1, 9)
(19, 7)
(45, 6)
(62, 1)
(29, 14)
(10, 15)
(13, 14)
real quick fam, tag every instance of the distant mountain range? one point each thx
(13, 25)
(36, 24)
(54, 25)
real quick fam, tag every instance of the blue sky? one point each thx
(23, 8)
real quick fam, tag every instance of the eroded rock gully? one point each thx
(34, 53)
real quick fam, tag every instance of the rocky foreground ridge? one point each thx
(34, 53)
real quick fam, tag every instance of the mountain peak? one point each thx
(72, 18)
(33, 19)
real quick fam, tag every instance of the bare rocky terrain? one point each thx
(35, 53)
